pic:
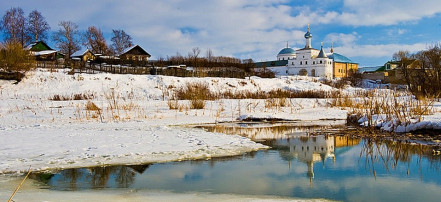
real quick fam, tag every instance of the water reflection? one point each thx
(92, 178)
(299, 164)
(389, 154)
(259, 131)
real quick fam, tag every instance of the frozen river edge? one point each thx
(98, 144)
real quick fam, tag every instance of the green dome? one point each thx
(287, 51)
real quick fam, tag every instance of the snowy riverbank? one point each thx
(45, 122)
(38, 131)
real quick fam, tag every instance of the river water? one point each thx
(301, 163)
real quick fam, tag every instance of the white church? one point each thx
(312, 62)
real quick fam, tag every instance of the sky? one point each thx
(366, 31)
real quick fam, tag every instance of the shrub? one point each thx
(197, 104)
(13, 58)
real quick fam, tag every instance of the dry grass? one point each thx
(79, 96)
(90, 106)
(173, 104)
(399, 108)
(197, 104)
(194, 91)
(202, 91)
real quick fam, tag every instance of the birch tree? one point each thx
(120, 41)
(13, 24)
(37, 26)
(67, 38)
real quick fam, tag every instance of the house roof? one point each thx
(45, 52)
(137, 48)
(81, 53)
(38, 46)
(340, 58)
(307, 49)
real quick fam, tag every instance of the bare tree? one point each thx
(422, 71)
(402, 54)
(120, 41)
(209, 55)
(94, 39)
(37, 26)
(67, 38)
(193, 56)
(14, 26)
(194, 53)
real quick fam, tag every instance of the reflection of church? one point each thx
(312, 149)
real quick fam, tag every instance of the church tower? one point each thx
(308, 37)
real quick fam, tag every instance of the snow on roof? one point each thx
(46, 52)
(28, 47)
(81, 52)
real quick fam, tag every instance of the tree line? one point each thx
(23, 30)
(20, 30)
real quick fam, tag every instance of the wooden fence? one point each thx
(93, 68)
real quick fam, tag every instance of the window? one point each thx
(292, 63)
(321, 62)
(300, 62)
(306, 62)
(313, 62)
(283, 58)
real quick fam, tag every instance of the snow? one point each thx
(430, 122)
(46, 134)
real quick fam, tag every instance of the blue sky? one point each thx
(367, 31)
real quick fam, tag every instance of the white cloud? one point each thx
(342, 39)
(373, 51)
(246, 28)
(380, 12)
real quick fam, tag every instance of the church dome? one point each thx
(308, 35)
(287, 51)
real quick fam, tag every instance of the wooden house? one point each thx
(84, 55)
(42, 51)
(135, 53)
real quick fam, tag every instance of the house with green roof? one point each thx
(42, 51)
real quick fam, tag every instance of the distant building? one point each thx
(312, 62)
(84, 55)
(135, 53)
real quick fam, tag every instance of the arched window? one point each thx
(283, 58)
(321, 62)
(313, 62)
(300, 62)
(292, 63)
(306, 62)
